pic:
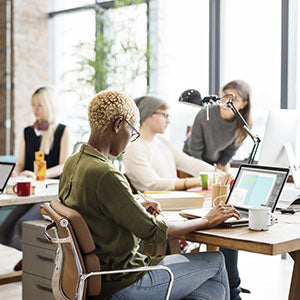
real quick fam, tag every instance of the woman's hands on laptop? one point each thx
(220, 213)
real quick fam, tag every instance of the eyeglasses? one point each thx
(134, 133)
(166, 116)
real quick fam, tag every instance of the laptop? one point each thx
(6, 169)
(255, 185)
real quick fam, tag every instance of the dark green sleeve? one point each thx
(118, 203)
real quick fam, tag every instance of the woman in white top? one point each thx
(151, 162)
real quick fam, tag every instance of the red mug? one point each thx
(23, 188)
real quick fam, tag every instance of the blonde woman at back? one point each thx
(44, 135)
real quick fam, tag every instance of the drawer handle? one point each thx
(44, 288)
(43, 240)
(45, 258)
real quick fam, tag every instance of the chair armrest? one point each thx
(52, 239)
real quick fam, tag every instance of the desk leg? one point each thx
(174, 246)
(295, 287)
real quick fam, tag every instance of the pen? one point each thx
(148, 199)
(157, 192)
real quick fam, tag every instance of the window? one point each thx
(75, 62)
(251, 50)
(69, 4)
(73, 33)
(181, 58)
(127, 27)
(297, 83)
(178, 39)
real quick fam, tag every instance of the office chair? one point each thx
(77, 268)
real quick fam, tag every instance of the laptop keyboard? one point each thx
(244, 215)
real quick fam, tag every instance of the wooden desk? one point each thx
(8, 200)
(283, 237)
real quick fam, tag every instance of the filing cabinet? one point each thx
(38, 261)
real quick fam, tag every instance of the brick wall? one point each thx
(29, 60)
(2, 73)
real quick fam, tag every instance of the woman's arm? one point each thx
(215, 216)
(227, 154)
(190, 165)
(19, 168)
(187, 183)
(140, 171)
(225, 168)
(65, 151)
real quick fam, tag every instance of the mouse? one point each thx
(293, 207)
(296, 201)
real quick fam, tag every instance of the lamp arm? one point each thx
(256, 139)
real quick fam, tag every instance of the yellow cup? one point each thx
(219, 194)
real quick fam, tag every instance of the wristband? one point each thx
(184, 184)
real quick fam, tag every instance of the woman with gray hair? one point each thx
(91, 185)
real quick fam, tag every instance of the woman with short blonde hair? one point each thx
(91, 185)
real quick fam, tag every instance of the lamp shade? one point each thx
(192, 97)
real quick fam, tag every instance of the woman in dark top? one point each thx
(32, 144)
(215, 141)
(44, 135)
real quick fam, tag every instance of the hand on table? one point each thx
(27, 173)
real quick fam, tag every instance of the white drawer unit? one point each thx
(38, 261)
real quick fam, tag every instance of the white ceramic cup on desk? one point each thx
(260, 218)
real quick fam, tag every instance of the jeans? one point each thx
(197, 276)
(11, 227)
(231, 261)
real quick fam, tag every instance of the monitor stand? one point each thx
(294, 166)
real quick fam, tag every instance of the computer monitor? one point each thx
(282, 128)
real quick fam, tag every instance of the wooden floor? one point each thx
(268, 277)
(8, 258)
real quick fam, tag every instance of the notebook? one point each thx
(176, 200)
(6, 169)
(254, 185)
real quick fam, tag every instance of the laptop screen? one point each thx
(257, 186)
(5, 171)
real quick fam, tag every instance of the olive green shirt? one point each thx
(92, 186)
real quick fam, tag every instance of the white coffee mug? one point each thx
(260, 218)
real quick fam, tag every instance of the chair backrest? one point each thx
(75, 252)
